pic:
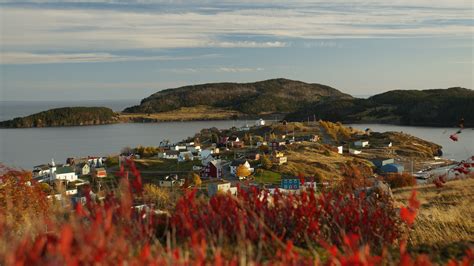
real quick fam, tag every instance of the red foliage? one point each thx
(216, 231)
(408, 214)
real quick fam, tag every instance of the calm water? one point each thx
(32, 146)
(460, 150)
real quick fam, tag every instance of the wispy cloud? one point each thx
(238, 69)
(18, 58)
(31, 31)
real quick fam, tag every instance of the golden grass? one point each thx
(314, 159)
(446, 215)
(185, 113)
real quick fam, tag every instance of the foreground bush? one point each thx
(333, 228)
(400, 180)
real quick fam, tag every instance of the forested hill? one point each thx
(269, 96)
(67, 116)
(437, 107)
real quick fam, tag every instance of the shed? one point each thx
(379, 162)
(392, 168)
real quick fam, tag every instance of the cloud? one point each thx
(238, 69)
(18, 58)
(31, 31)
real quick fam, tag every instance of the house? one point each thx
(83, 168)
(340, 149)
(212, 170)
(165, 144)
(171, 181)
(179, 147)
(41, 170)
(95, 161)
(261, 143)
(280, 160)
(277, 154)
(70, 161)
(193, 148)
(206, 152)
(220, 186)
(354, 151)
(260, 122)
(235, 142)
(392, 168)
(185, 156)
(236, 163)
(292, 183)
(361, 143)
(99, 172)
(169, 154)
(253, 156)
(379, 162)
(276, 144)
(212, 157)
(64, 173)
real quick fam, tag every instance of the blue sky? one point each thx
(80, 50)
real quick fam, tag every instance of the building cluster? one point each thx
(71, 170)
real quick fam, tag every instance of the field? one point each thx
(445, 223)
(183, 114)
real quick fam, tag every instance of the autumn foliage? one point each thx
(256, 227)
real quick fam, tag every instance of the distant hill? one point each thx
(263, 97)
(438, 107)
(67, 116)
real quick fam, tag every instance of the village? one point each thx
(290, 157)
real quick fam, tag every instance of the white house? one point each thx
(180, 147)
(64, 173)
(171, 181)
(194, 148)
(361, 143)
(220, 186)
(185, 156)
(340, 149)
(169, 154)
(354, 151)
(260, 122)
(41, 170)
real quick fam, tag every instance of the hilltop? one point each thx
(256, 98)
(437, 107)
(67, 116)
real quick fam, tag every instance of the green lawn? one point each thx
(267, 177)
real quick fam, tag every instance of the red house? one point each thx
(212, 170)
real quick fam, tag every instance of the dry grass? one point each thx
(183, 114)
(314, 159)
(446, 216)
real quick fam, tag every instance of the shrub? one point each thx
(400, 180)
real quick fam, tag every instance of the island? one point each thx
(66, 116)
(280, 99)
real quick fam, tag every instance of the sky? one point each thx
(114, 49)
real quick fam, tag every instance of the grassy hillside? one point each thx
(270, 96)
(67, 116)
(440, 107)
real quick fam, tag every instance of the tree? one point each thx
(214, 138)
(156, 195)
(196, 180)
(266, 162)
(242, 171)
